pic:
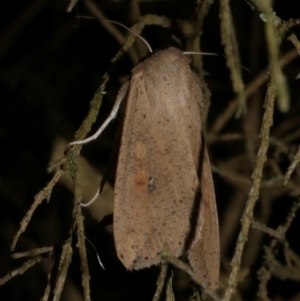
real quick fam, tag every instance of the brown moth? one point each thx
(164, 194)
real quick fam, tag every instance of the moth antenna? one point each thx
(212, 53)
(98, 257)
(122, 25)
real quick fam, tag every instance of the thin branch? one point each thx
(43, 194)
(65, 260)
(188, 270)
(21, 270)
(254, 191)
(33, 252)
(292, 167)
(160, 281)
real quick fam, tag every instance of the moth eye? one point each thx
(146, 258)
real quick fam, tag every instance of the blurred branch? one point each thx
(271, 266)
(273, 42)
(71, 5)
(232, 54)
(250, 89)
(193, 30)
(17, 26)
(111, 28)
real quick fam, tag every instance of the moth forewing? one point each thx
(204, 256)
(159, 196)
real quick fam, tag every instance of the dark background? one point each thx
(51, 64)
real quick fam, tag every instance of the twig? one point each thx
(65, 260)
(271, 232)
(160, 281)
(138, 27)
(43, 194)
(79, 228)
(111, 28)
(169, 289)
(187, 269)
(21, 270)
(232, 53)
(293, 38)
(82, 252)
(193, 33)
(254, 191)
(290, 216)
(33, 252)
(251, 88)
(271, 265)
(273, 42)
(292, 167)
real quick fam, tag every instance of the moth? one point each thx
(164, 193)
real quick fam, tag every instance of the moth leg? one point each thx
(121, 95)
(92, 200)
(112, 159)
(98, 257)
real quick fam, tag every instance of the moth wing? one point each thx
(204, 256)
(156, 183)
